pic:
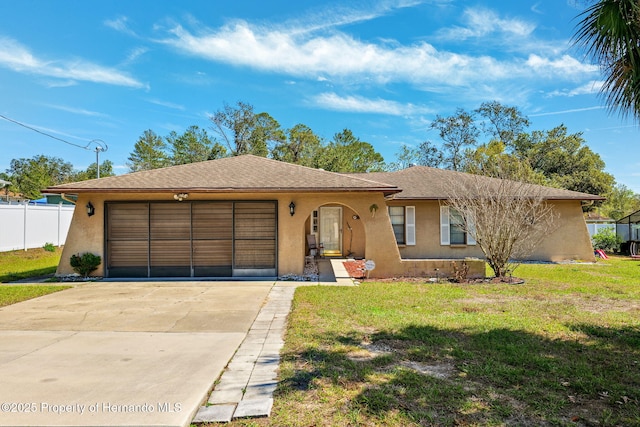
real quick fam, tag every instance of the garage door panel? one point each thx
(128, 221)
(170, 252)
(170, 221)
(255, 220)
(170, 258)
(129, 253)
(212, 221)
(255, 254)
(212, 252)
(191, 239)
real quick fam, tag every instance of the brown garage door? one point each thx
(191, 239)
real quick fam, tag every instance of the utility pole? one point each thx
(100, 146)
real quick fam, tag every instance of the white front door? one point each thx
(331, 230)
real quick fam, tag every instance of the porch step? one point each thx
(332, 272)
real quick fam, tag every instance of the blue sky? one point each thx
(85, 70)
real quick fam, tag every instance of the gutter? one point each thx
(64, 197)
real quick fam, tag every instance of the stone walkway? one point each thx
(245, 388)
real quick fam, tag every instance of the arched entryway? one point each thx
(337, 231)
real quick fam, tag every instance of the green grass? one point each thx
(11, 294)
(17, 265)
(24, 264)
(562, 349)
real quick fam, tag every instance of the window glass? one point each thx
(458, 236)
(396, 213)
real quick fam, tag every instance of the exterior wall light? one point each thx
(90, 209)
(180, 196)
(292, 208)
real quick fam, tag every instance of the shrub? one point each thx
(607, 240)
(49, 247)
(85, 263)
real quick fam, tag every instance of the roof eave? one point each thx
(70, 190)
(589, 198)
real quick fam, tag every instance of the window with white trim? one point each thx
(452, 230)
(396, 213)
(403, 221)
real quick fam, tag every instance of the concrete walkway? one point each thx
(246, 386)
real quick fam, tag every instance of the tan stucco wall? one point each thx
(570, 241)
(87, 233)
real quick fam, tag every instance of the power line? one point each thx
(86, 147)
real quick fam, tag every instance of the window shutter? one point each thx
(410, 223)
(445, 237)
(471, 225)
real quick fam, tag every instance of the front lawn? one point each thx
(17, 265)
(561, 349)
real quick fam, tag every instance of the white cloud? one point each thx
(480, 22)
(134, 54)
(336, 55)
(359, 104)
(18, 58)
(575, 110)
(80, 111)
(592, 87)
(167, 104)
(340, 15)
(120, 24)
(566, 65)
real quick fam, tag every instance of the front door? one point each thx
(331, 230)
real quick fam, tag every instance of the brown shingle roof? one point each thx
(426, 183)
(246, 173)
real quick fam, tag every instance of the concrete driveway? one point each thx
(120, 353)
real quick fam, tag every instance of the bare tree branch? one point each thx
(508, 219)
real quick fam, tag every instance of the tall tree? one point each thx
(301, 146)
(106, 169)
(621, 201)
(347, 153)
(194, 145)
(426, 154)
(30, 176)
(492, 160)
(503, 123)
(406, 157)
(609, 32)
(243, 131)
(457, 132)
(148, 153)
(429, 155)
(265, 134)
(565, 160)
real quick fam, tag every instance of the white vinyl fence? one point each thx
(25, 226)
(595, 227)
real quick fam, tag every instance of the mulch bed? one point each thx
(356, 270)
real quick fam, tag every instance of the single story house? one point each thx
(250, 216)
